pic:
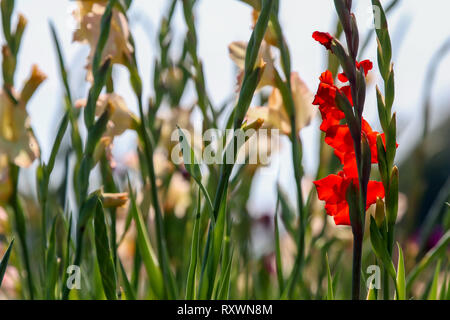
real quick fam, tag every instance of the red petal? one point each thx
(342, 215)
(324, 38)
(367, 65)
(348, 93)
(375, 189)
(339, 138)
(327, 77)
(342, 77)
(329, 188)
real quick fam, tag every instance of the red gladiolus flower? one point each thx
(333, 189)
(339, 138)
(324, 38)
(367, 65)
(326, 100)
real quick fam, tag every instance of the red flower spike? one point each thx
(333, 188)
(324, 38)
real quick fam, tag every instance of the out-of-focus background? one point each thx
(418, 29)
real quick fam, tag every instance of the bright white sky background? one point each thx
(418, 28)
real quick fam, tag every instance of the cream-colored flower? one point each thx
(114, 200)
(178, 197)
(121, 118)
(275, 115)
(17, 141)
(265, 59)
(89, 16)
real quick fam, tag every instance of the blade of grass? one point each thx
(87, 210)
(278, 254)
(148, 256)
(330, 291)
(51, 262)
(104, 255)
(214, 248)
(444, 286)
(4, 262)
(193, 167)
(224, 288)
(129, 292)
(433, 294)
(401, 281)
(21, 229)
(190, 286)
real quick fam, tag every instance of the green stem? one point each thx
(356, 271)
(161, 238)
(21, 227)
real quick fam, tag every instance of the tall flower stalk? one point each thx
(387, 150)
(354, 143)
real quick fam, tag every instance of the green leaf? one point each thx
(104, 256)
(382, 162)
(192, 166)
(224, 288)
(213, 250)
(382, 113)
(257, 35)
(379, 248)
(62, 67)
(401, 281)
(391, 141)
(433, 294)
(87, 211)
(57, 143)
(252, 75)
(4, 262)
(392, 198)
(148, 256)
(383, 39)
(105, 27)
(287, 212)
(190, 286)
(278, 255)
(51, 263)
(390, 89)
(443, 294)
(330, 292)
(94, 93)
(371, 294)
(21, 229)
(129, 293)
